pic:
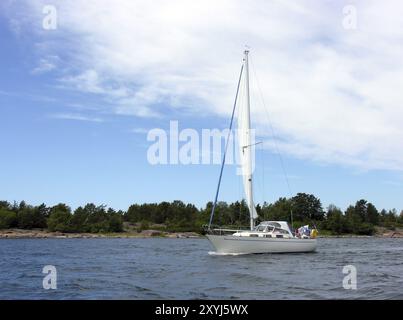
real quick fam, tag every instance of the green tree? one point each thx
(366, 212)
(79, 221)
(204, 215)
(335, 220)
(239, 213)
(279, 210)
(97, 218)
(60, 218)
(25, 217)
(388, 219)
(5, 205)
(358, 219)
(115, 221)
(306, 207)
(181, 217)
(8, 219)
(92, 218)
(22, 205)
(30, 217)
(372, 214)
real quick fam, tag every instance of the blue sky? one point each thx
(76, 103)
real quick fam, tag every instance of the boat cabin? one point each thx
(268, 229)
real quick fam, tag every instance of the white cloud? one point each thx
(46, 65)
(75, 116)
(334, 94)
(140, 130)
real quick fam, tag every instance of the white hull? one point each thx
(244, 245)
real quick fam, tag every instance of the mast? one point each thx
(247, 148)
(245, 143)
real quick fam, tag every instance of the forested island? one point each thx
(362, 218)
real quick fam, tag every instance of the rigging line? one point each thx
(225, 151)
(261, 176)
(251, 145)
(272, 131)
(263, 169)
(273, 134)
(239, 195)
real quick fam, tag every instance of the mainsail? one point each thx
(268, 236)
(245, 141)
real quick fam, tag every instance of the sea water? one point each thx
(161, 268)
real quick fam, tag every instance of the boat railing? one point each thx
(223, 231)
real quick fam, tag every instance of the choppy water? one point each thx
(183, 269)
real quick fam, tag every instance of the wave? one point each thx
(214, 253)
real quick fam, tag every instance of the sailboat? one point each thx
(268, 236)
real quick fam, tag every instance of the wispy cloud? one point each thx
(46, 65)
(82, 106)
(334, 94)
(126, 100)
(6, 93)
(140, 130)
(75, 116)
(28, 96)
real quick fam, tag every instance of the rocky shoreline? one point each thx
(384, 235)
(43, 234)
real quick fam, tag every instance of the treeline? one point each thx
(360, 218)
(174, 216)
(91, 218)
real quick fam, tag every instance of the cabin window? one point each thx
(267, 235)
(253, 235)
(279, 236)
(275, 224)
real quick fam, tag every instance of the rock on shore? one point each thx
(43, 234)
(392, 234)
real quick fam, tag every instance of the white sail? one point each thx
(245, 141)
